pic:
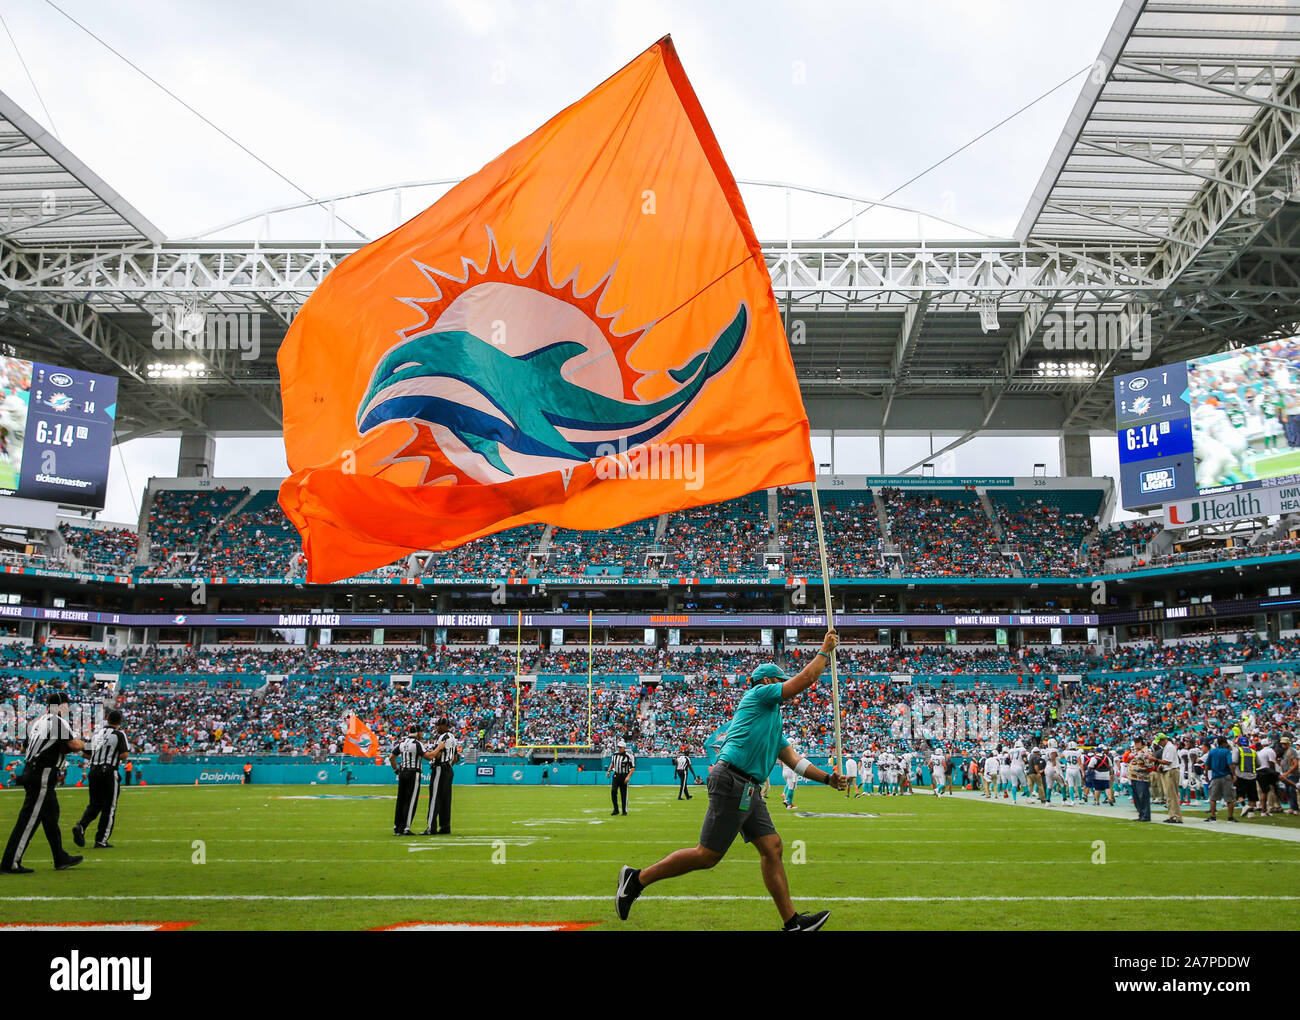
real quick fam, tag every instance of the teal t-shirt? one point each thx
(754, 737)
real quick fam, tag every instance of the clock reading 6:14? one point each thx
(1143, 436)
(58, 434)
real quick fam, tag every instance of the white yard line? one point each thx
(1126, 814)
(502, 898)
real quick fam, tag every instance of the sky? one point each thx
(854, 97)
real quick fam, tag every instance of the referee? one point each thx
(683, 765)
(405, 758)
(108, 748)
(445, 755)
(622, 765)
(49, 739)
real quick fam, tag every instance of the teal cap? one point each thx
(768, 669)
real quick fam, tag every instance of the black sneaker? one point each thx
(103, 846)
(427, 832)
(807, 922)
(613, 813)
(79, 834)
(629, 888)
(68, 862)
(625, 812)
(17, 869)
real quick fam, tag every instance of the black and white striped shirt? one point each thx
(45, 739)
(622, 764)
(447, 756)
(107, 747)
(410, 752)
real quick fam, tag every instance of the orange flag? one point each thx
(360, 739)
(583, 333)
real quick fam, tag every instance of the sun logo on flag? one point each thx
(516, 374)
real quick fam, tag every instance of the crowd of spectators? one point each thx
(943, 535)
(504, 554)
(717, 540)
(1122, 540)
(639, 660)
(571, 552)
(258, 541)
(1048, 540)
(113, 549)
(306, 716)
(938, 533)
(851, 528)
(179, 519)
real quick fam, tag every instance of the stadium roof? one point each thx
(51, 197)
(1171, 203)
(1174, 91)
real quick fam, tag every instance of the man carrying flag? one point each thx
(359, 739)
(754, 744)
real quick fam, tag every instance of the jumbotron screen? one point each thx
(56, 431)
(1221, 423)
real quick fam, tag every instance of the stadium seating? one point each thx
(1123, 539)
(1179, 687)
(1047, 527)
(619, 551)
(258, 541)
(851, 527)
(179, 519)
(504, 554)
(109, 550)
(714, 541)
(943, 533)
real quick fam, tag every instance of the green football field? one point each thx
(1271, 465)
(325, 858)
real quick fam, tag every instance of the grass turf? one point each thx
(320, 858)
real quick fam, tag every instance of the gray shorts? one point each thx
(724, 817)
(1223, 789)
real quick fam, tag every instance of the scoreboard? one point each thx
(56, 432)
(1223, 423)
(1154, 422)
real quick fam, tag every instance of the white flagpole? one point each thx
(830, 625)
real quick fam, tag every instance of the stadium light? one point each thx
(175, 371)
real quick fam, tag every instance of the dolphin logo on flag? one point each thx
(529, 403)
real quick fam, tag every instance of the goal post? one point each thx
(519, 684)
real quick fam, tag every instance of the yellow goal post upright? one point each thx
(555, 748)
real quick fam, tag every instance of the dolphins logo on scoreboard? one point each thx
(512, 374)
(59, 402)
